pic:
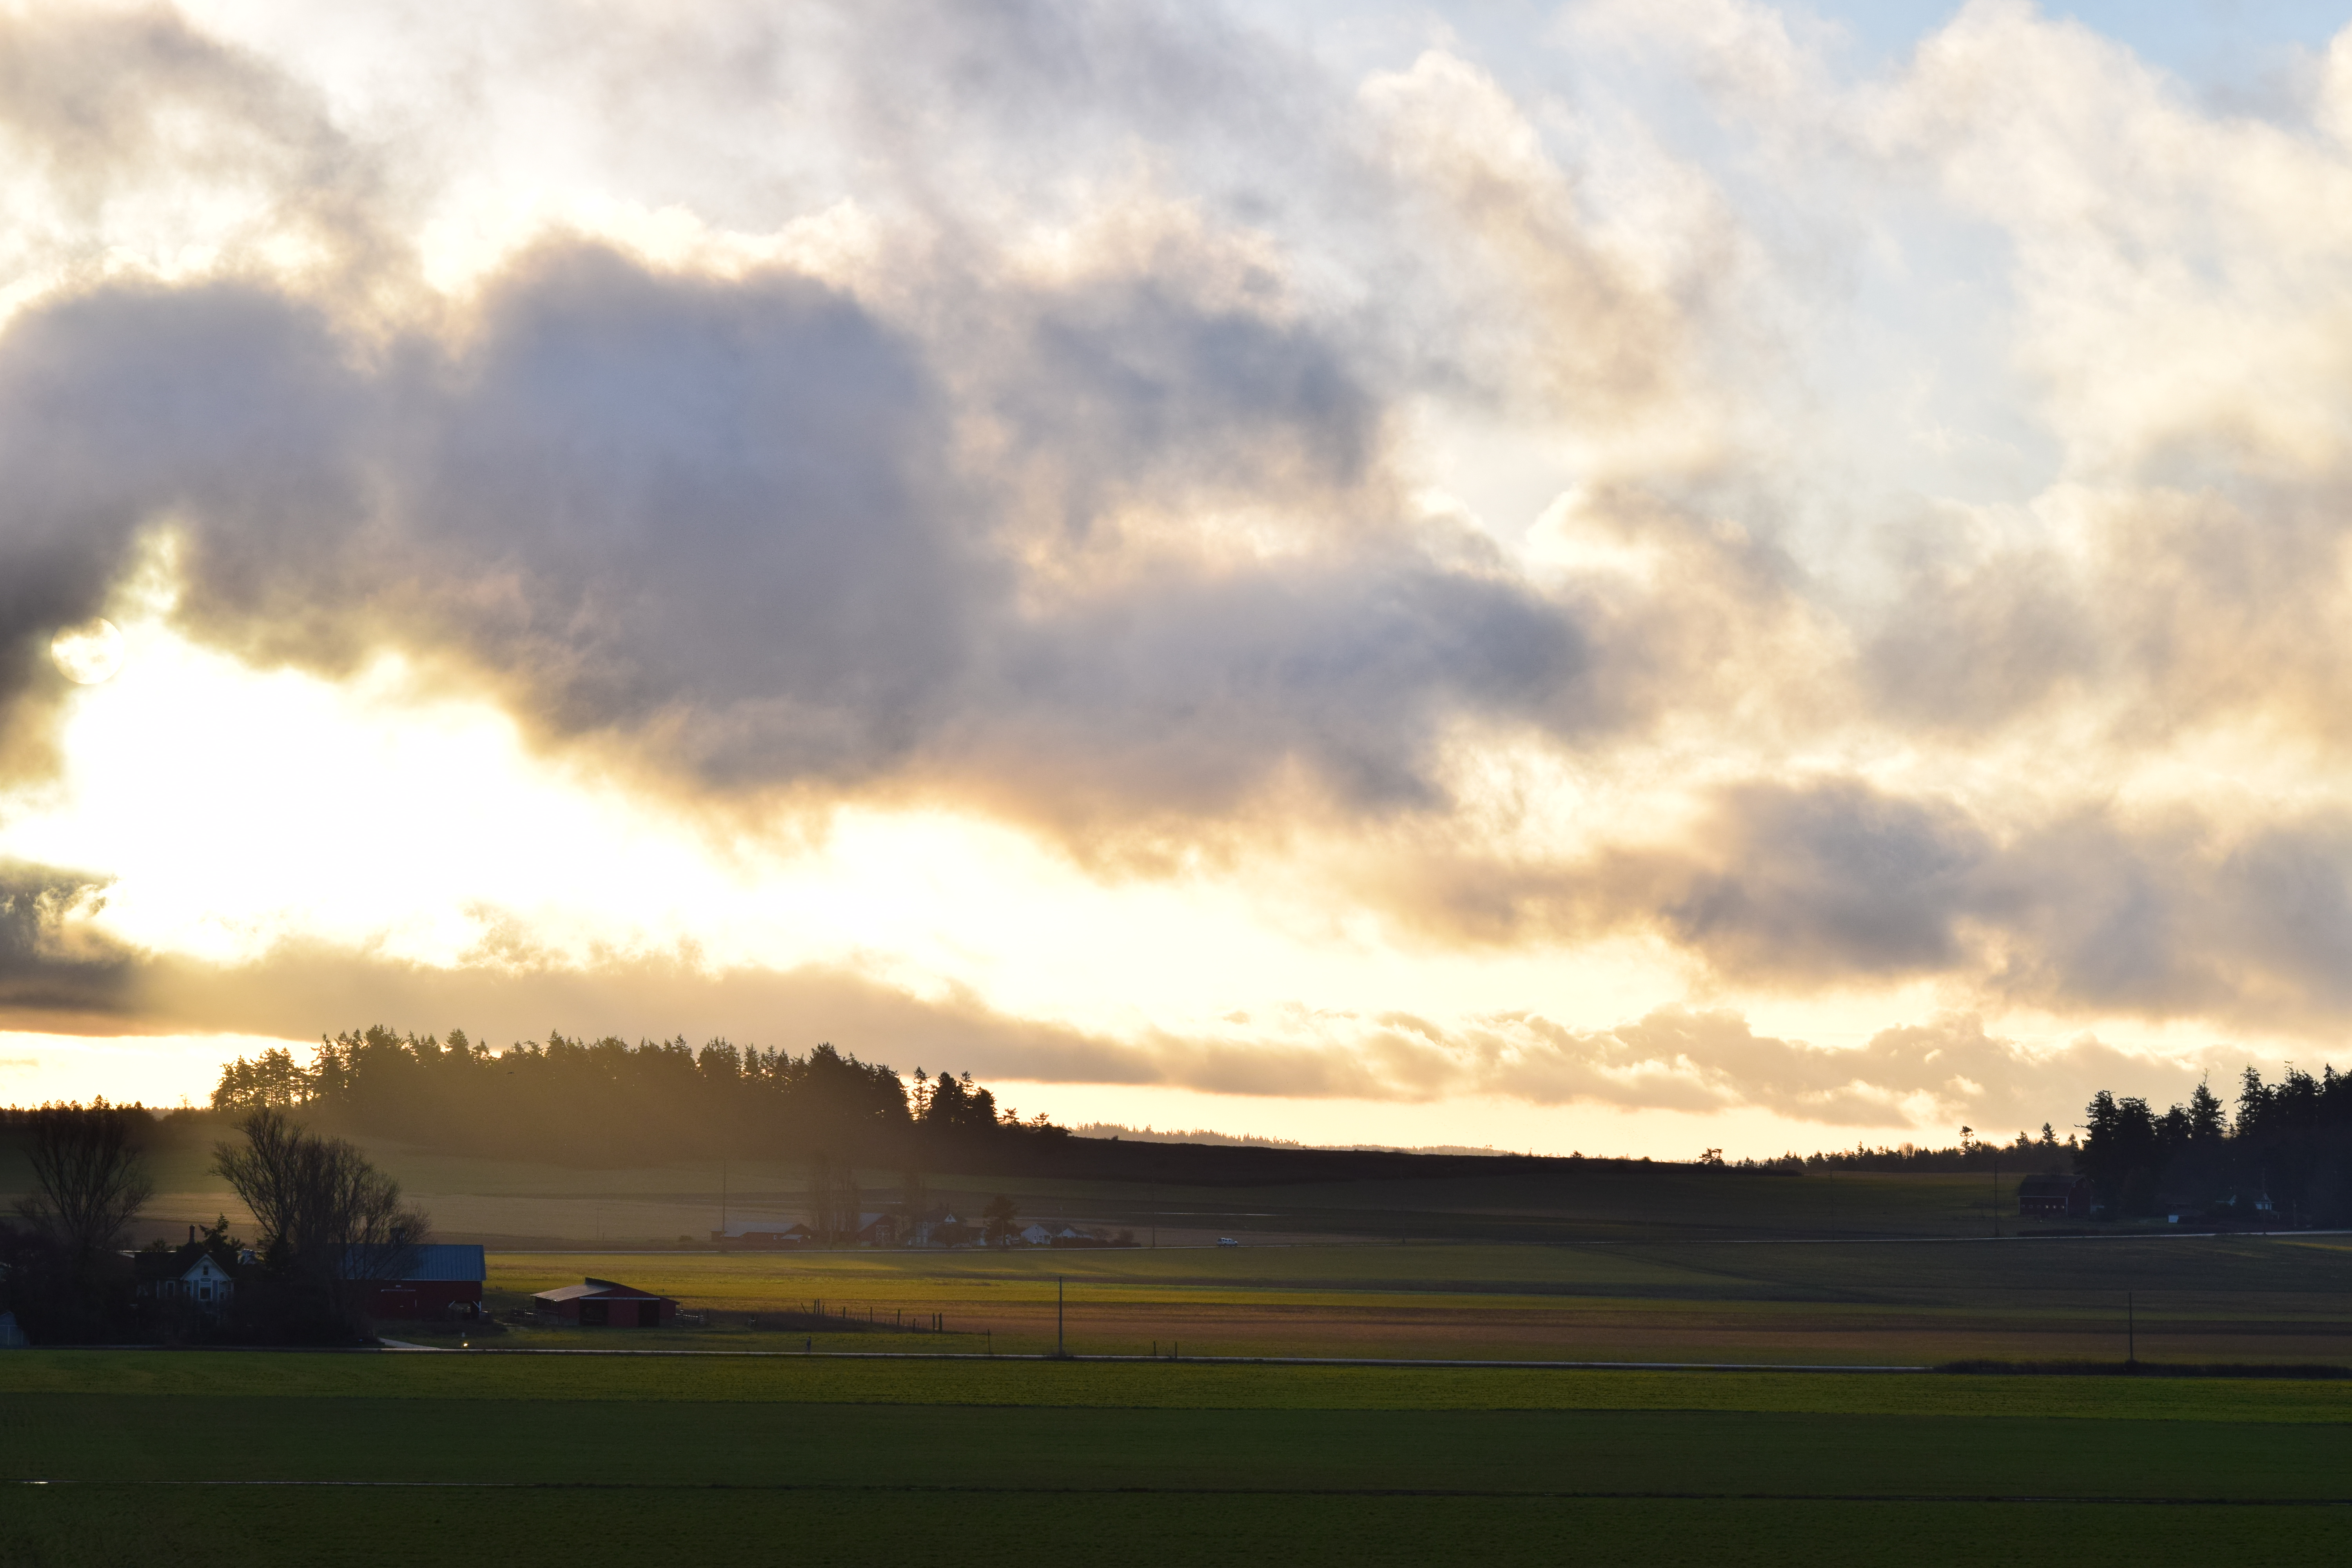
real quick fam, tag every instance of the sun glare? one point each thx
(88, 654)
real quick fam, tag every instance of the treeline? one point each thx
(2028, 1153)
(2284, 1152)
(609, 1102)
(329, 1225)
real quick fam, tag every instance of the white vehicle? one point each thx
(1227, 1241)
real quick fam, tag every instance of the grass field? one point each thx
(540, 1460)
(518, 1203)
(829, 1448)
(2192, 1299)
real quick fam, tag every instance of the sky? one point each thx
(1616, 577)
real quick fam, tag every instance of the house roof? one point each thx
(766, 1227)
(430, 1260)
(178, 1264)
(2050, 1186)
(597, 1289)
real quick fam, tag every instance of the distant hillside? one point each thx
(1122, 1133)
(1125, 1134)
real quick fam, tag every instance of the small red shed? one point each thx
(603, 1303)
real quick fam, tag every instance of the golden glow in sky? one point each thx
(1678, 576)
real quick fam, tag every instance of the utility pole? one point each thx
(722, 1202)
(1059, 1354)
(1996, 1194)
(2131, 1331)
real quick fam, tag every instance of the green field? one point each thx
(2196, 1300)
(519, 1203)
(845, 1436)
(542, 1458)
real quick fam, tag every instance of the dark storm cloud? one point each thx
(123, 408)
(714, 512)
(751, 532)
(723, 523)
(49, 964)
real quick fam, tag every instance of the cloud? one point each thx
(1106, 491)
(1059, 413)
(51, 962)
(2080, 910)
(720, 524)
(1925, 1076)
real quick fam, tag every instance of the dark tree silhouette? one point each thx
(90, 1179)
(2287, 1156)
(330, 1222)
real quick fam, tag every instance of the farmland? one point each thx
(843, 1460)
(2192, 1299)
(810, 1410)
(1503, 1259)
(534, 1205)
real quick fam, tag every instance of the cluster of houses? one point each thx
(894, 1230)
(2075, 1197)
(435, 1281)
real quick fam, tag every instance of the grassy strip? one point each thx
(1149, 1385)
(1708, 1453)
(2319, 1370)
(82, 1528)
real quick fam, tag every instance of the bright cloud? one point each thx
(1664, 561)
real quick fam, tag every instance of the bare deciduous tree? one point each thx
(834, 1198)
(89, 1176)
(329, 1219)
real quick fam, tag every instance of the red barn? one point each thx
(2054, 1197)
(435, 1281)
(602, 1303)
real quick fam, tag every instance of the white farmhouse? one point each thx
(190, 1274)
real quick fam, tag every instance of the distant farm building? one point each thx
(757, 1233)
(946, 1230)
(604, 1303)
(2054, 1197)
(190, 1274)
(440, 1279)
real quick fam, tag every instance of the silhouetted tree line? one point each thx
(2028, 1155)
(60, 1271)
(329, 1225)
(604, 1102)
(2286, 1152)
